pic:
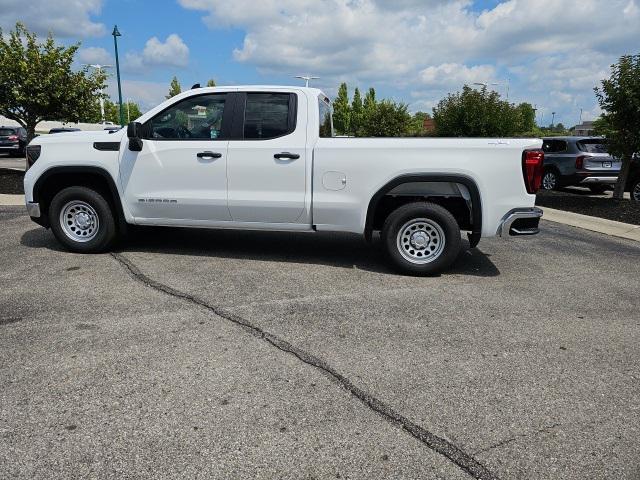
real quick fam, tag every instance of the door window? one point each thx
(194, 118)
(326, 125)
(267, 115)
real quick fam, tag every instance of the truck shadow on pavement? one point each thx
(329, 249)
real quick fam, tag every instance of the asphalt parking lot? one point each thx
(201, 354)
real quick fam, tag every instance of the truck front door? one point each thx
(181, 173)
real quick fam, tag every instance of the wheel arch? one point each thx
(55, 179)
(475, 203)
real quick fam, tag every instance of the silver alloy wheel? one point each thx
(79, 221)
(549, 181)
(635, 194)
(420, 241)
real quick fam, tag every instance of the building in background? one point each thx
(585, 129)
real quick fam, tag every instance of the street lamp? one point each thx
(99, 68)
(117, 34)
(306, 79)
(485, 84)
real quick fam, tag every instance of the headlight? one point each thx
(33, 152)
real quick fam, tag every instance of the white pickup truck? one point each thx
(265, 158)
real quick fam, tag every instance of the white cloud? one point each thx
(71, 19)
(172, 52)
(436, 45)
(95, 55)
(455, 73)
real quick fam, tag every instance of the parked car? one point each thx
(584, 161)
(64, 129)
(264, 158)
(13, 141)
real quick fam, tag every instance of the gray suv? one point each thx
(582, 161)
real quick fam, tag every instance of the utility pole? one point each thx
(306, 79)
(99, 68)
(117, 34)
(553, 118)
(580, 121)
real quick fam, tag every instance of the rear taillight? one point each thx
(580, 162)
(13, 138)
(532, 168)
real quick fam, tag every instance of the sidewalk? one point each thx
(8, 200)
(594, 224)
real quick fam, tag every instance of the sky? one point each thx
(550, 53)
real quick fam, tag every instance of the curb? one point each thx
(11, 200)
(594, 224)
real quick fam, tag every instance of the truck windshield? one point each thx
(326, 122)
(593, 146)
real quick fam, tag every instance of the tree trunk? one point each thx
(618, 191)
(30, 127)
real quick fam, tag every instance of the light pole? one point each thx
(486, 85)
(306, 79)
(553, 118)
(99, 68)
(128, 111)
(117, 34)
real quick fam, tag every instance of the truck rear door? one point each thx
(266, 169)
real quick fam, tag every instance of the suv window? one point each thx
(194, 118)
(266, 115)
(326, 124)
(5, 132)
(593, 146)
(554, 146)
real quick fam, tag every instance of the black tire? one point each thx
(634, 191)
(99, 239)
(598, 189)
(398, 237)
(550, 180)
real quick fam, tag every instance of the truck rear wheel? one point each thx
(81, 219)
(421, 238)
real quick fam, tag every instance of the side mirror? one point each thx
(134, 132)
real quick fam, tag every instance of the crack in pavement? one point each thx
(546, 429)
(454, 453)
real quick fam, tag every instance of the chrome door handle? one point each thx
(209, 155)
(287, 155)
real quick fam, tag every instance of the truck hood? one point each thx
(80, 137)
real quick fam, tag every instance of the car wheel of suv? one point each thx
(421, 238)
(550, 180)
(635, 190)
(81, 219)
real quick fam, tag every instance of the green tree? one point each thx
(417, 124)
(211, 82)
(527, 116)
(342, 111)
(386, 119)
(174, 88)
(476, 113)
(357, 113)
(619, 98)
(369, 103)
(38, 83)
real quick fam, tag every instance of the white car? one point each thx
(265, 158)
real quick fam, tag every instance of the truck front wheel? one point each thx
(81, 219)
(421, 238)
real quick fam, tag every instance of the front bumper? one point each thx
(520, 221)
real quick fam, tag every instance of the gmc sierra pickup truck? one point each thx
(266, 158)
